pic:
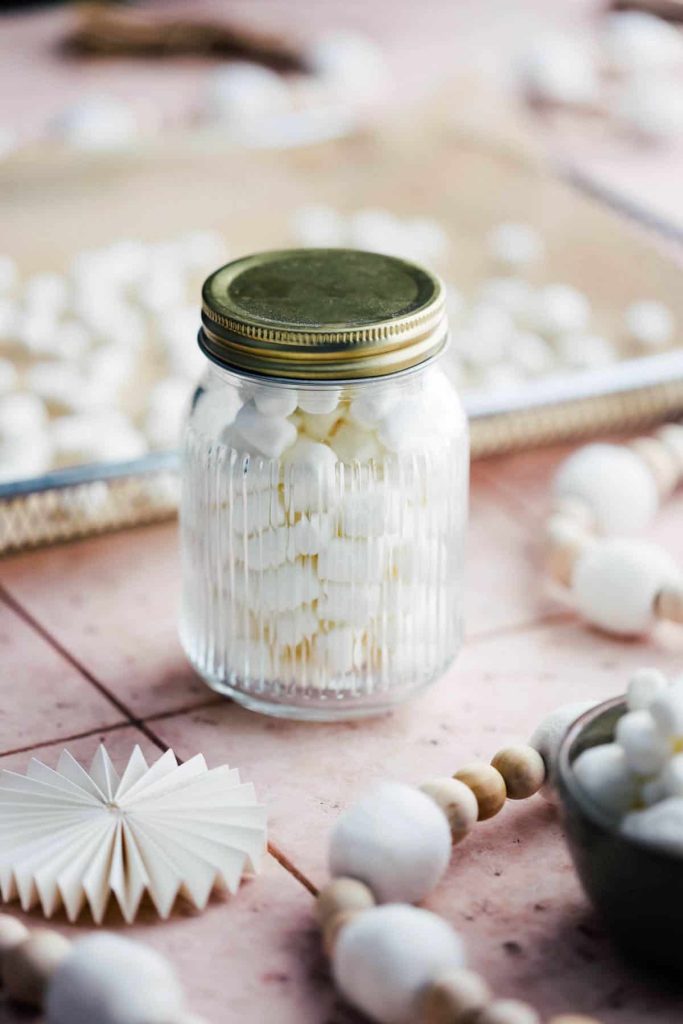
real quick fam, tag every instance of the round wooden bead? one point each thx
(488, 786)
(395, 839)
(671, 435)
(333, 926)
(565, 542)
(28, 967)
(661, 462)
(669, 602)
(614, 482)
(342, 895)
(507, 1011)
(616, 582)
(386, 956)
(522, 768)
(12, 932)
(458, 803)
(112, 980)
(452, 996)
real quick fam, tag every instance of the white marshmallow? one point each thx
(293, 627)
(395, 839)
(71, 340)
(406, 427)
(515, 245)
(46, 293)
(353, 444)
(21, 414)
(309, 535)
(615, 483)
(644, 687)
(60, 385)
(603, 774)
(637, 41)
(371, 406)
(242, 93)
(89, 984)
(341, 602)
(351, 65)
(377, 230)
(649, 323)
(9, 275)
(512, 294)
(9, 323)
(340, 650)
(278, 590)
(310, 475)
(672, 776)
(548, 735)
(531, 354)
(561, 309)
(275, 401)
(615, 582)
(254, 510)
(355, 561)
(25, 456)
(427, 239)
(369, 513)
(266, 549)
(214, 410)
(559, 69)
(8, 376)
(318, 225)
(251, 659)
(660, 825)
(97, 123)
(166, 410)
(585, 351)
(667, 711)
(320, 401)
(96, 437)
(386, 956)
(203, 250)
(268, 435)
(645, 749)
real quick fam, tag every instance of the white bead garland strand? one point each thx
(622, 586)
(398, 963)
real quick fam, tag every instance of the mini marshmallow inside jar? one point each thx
(325, 478)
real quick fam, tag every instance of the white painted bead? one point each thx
(558, 69)
(395, 839)
(354, 444)
(97, 122)
(387, 955)
(615, 584)
(644, 747)
(318, 225)
(660, 825)
(346, 560)
(268, 435)
(604, 776)
(638, 41)
(166, 410)
(323, 400)
(340, 649)
(644, 686)
(515, 245)
(310, 475)
(240, 93)
(12, 932)
(667, 711)
(275, 401)
(615, 483)
(112, 980)
(561, 309)
(548, 735)
(649, 323)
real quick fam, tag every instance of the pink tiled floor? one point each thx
(90, 652)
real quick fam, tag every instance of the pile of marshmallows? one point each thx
(324, 545)
(630, 74)
(97, 364)
(402, 964)
(637, 779)
(509, 330)
(101, 979)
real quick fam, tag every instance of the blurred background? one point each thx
(511, 146)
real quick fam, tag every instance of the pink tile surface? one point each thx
(113, 600)
(42, 696)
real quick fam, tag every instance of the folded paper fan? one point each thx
(70, 836)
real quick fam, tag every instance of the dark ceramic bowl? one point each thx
(636, 889)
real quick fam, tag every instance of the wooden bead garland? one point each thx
(601, 491)
(354, 928)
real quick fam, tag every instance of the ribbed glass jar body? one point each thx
(322, 535)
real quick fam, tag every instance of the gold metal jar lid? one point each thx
(322, 314)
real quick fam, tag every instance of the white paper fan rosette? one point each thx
(68, 835)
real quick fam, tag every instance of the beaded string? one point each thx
(371, 963)
(600, 493)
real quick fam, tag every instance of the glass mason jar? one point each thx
(324, 491)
